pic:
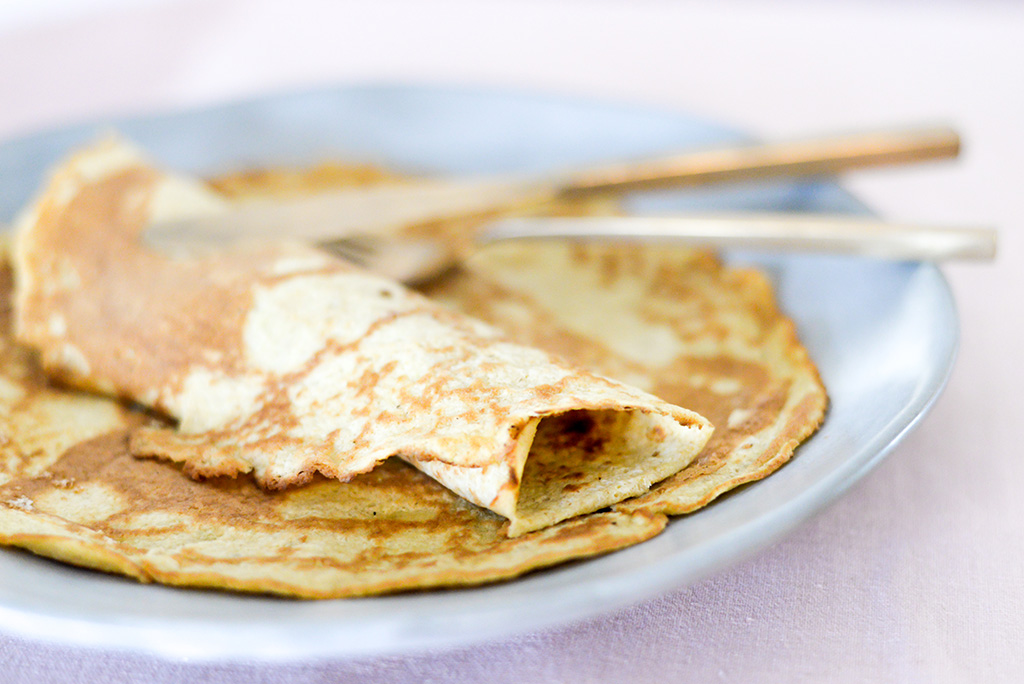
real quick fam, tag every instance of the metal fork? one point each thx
(418, 259)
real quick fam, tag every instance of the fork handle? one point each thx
(809, 157)
(777, 232)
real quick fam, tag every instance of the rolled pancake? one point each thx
(70, 490)
(282, 361)
(687, 328)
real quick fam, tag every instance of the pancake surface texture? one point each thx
(280, 360)
(670, 321)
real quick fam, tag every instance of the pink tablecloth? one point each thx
(918, 573)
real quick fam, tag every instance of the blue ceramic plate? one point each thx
(883, 334)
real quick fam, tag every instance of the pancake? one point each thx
(672, 321)
(281, 361)
(70, 490)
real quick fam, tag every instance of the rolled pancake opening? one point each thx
(280, 361)
(575, 462)
(582, 461)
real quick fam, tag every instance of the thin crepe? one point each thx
(282, 361)
(70, 490)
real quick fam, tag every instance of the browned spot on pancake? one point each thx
(575, 430)
(179, 299)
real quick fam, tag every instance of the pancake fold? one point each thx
(281, 361)
(692, 331)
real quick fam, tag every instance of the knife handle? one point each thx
(820, 156)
